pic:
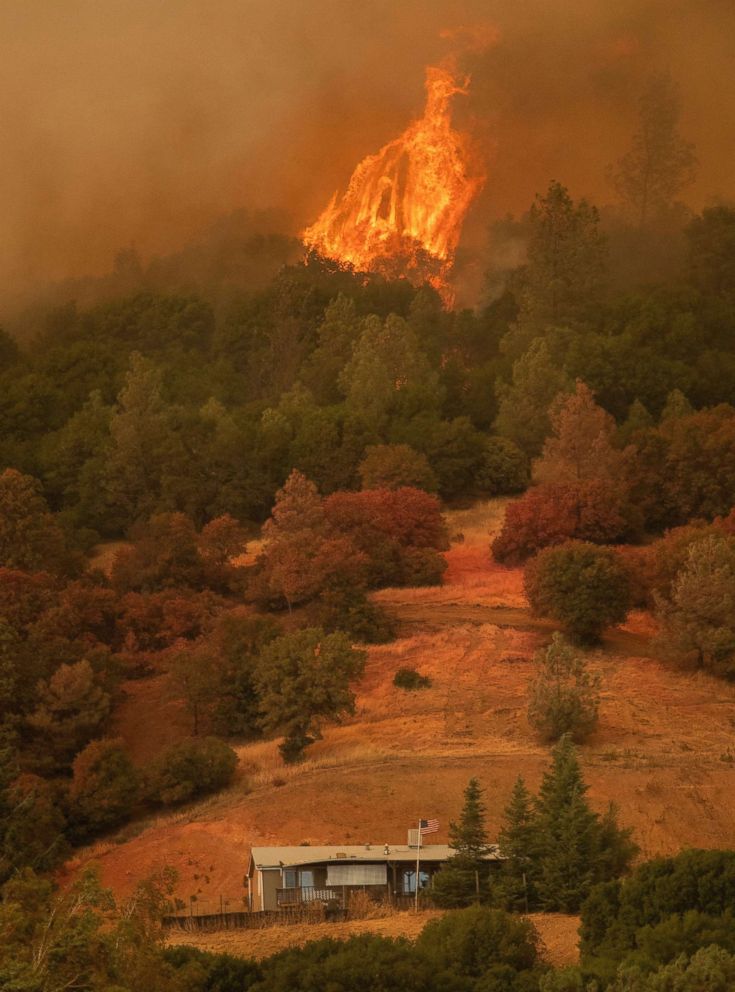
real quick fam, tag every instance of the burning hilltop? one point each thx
(403, 209)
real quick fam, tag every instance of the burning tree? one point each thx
(403, 209)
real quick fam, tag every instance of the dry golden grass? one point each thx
(558, 935)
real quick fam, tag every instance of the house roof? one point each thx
(278, 857)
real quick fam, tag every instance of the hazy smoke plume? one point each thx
(132, 122)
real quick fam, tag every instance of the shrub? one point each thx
(564, 697)
(663, 903)
(104, 788)
(409, 678)
(479, 942)
(583, 587)
(191, 769)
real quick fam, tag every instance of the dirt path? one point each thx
(434, 616)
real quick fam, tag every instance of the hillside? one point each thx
(663, 751)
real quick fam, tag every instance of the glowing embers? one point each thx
(403, 209)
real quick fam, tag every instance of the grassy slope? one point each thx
(662, 750)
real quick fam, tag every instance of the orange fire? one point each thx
(403, 209)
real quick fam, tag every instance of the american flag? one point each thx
(428, 826)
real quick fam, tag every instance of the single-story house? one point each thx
(278, 877)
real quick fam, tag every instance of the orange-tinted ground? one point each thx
(558, 935)
(664, 750)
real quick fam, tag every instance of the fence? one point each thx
(210, 915)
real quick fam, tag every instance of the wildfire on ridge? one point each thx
(403, 209)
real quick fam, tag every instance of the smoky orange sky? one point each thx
(141, 121)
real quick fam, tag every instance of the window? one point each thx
(409, 880)
(293, 878)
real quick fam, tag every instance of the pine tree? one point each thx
(676, 407)
(462, 880)
(524, 403)
(638, 419)
(519, 845)
(567, 829)
(576, 849)
(564, 696)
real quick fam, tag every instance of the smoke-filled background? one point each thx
(131, 122)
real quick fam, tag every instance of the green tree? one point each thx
(566, 260)
(710, 969)
(237, 640)
(336, 335)
(573, 850)
(564, 696)
(494, 948)
(72, 708)
(77, 938)
(580, 585)
(638, 419)
(105, 787)
(503, 468)
(145, 450)
(387, 364)
(519, 845)
(463, 879)
(32, 825)
(30, 537)
(196, 674)
(698, 616)
(711, 243)
(676, 407)
(302, 680)
(391, 466)
(660, 163)
(191, 769)
(523, 405)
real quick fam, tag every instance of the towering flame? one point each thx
(403, 209)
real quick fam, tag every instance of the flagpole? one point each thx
(418, 869)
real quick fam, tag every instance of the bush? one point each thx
(364, 963)
(651, 908)
(504, 468)
(202, 971)
(583, 587)
(191, 769)
(479, 942)
(409, 678)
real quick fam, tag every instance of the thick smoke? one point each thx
(131, 122)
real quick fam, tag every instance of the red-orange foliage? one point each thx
(401, 531)
(81, 612)
(303, 553)
(24, 596)
(154, 621)
(551, 514)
